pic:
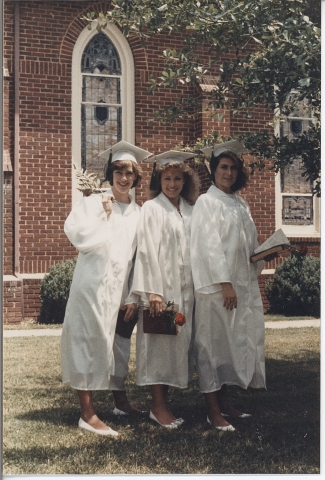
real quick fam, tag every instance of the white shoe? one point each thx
(179, 420)
(243, 415)
(174, 424)
(227, 428)
(119, 412)
(86, 426)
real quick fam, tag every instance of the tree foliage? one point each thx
(263, 50)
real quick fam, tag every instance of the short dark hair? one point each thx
(190, 190)
(242, 177)
(120, 165)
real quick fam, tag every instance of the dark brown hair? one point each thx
(190, 190)
(120, 165)
(242, 177)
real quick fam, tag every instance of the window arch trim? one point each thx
(127, 92)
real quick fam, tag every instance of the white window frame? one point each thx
(127, 92)
(295, 230)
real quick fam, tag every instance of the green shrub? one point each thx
(295, 287)
(55, 288)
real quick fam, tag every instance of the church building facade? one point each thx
(70, 93)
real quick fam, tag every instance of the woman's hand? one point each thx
(131, 309)
(271, 257)
(156, 304)
(107, 203)
(229, 296)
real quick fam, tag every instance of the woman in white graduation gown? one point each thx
(229, 323)
(162, 274)
(103, 229)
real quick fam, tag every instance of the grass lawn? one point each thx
(282, 436)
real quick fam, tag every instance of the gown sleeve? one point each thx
(208, 260)
(130, 296)
(87, 226)
(147, 276)
(257, 266)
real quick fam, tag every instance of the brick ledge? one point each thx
(29, 276)
(267, 271)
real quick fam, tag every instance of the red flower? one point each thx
(180, 319)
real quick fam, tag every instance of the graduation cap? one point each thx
(170, 157)
(124, 151)
(233, 146)
(173, 156)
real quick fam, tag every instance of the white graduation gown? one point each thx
(228, 345)
(99, 287)
(162, 267)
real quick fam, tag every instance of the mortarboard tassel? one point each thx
(109, 163)
(153, 181)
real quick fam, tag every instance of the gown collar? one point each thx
(131, 206)
(216, 192)
(168, 204)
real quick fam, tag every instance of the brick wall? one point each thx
(31, 294)
(261, 282)
(12, 302)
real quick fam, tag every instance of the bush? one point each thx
(55, 288)
(295, 287)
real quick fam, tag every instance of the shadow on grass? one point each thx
(282, 436)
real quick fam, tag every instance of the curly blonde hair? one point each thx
(190, 190)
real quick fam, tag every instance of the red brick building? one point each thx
(69, 93)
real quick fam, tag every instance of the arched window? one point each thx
(101, 108)
(297, 209)
(102, 97)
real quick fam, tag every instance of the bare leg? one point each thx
(160, 407)
(214, 412)
(224, 404)
(122, 402)
(87, 410)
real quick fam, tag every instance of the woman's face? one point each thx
(226, 174)
(123, 179)
(172, 181)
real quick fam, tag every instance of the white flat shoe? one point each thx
(227, 428)
(179, 421)
(174, 423)
(243, 415)
(119, 412)
(86, 426)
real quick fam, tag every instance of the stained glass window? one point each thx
(296, 191)
(101, 108)
(100, 56)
